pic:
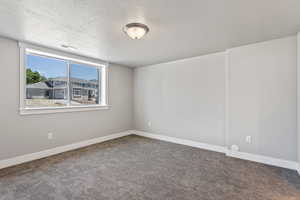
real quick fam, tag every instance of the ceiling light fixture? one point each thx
(136, 30)
(68, 47)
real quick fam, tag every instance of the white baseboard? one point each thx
(49, 152)
(263, 159)
(241, 155)
(191, 143)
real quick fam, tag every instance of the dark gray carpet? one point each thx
(134, 167)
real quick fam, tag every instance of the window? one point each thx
(46, 81)
(84, 82)
(76, 93)
(54, 82)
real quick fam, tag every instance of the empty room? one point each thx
(150, 100)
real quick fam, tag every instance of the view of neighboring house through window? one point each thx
(52, 82)
(84, 84)
(46, 82)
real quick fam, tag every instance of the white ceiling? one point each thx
(178, 28)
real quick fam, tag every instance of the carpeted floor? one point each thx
(134, 167)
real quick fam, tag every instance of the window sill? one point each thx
(33, 111)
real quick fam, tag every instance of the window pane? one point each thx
(84, 84)
(46, 82)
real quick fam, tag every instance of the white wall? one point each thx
(183, 99)
(262, 98)
(186, 98)
(26, 134)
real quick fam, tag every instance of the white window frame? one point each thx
(42, 51)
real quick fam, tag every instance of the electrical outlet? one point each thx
(50, 136)
(149, 124)
(248, 139)
(234, 147)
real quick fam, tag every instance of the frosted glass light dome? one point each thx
(136, 30)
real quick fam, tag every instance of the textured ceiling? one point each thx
(178, 28)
